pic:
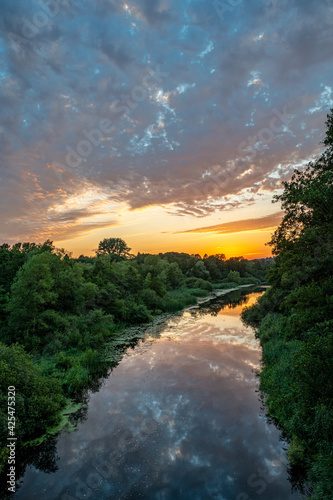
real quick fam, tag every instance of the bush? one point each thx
(151, 299)
(177, 300)
(234, 276)
(76, 379)
(38, 398)
(225, 285)
(198, 292)
(295, 320)
(137, 313)
(193, 282)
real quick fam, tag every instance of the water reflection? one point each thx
(179, 418)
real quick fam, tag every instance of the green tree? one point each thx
(199, 270)
(234, 276)
(32, 292)
(219, 256)
(295, 319)
(113, 246)
(174, 275)
(38, 398)
(308, 199)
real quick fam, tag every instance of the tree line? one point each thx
(58, 312)
(294, 321)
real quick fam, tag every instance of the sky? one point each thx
(168, 123)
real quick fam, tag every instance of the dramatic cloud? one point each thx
(203, 106)
(264, 223)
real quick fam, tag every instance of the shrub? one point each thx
(38, 398)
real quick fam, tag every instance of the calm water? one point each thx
(178, 418)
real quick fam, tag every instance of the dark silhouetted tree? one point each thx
(113, 246)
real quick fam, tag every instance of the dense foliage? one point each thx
(43, 394)
(294, 319)
(57, 313)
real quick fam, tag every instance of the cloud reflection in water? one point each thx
(179, 418)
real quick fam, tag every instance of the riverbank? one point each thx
(128, 335)
(295, 329)
(180, 406)
(219, 292)
(79, 371)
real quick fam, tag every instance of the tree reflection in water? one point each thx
(44, 457)
(231, 300)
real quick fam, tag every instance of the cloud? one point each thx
(202, 209)
(191, 138)
(261, 223)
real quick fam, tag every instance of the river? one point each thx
(180, 417)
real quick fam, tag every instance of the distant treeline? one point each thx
(294, 321)
(57, 313)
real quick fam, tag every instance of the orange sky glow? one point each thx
(153, 231)
(158, 122)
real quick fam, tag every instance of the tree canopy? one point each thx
(113, 246)
(294, 320)
(57, 313)
(307, 199)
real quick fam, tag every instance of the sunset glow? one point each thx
(157, 121)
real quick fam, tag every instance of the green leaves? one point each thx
(308, 200)
(295, 319)
(115, 247)
(38, 398)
